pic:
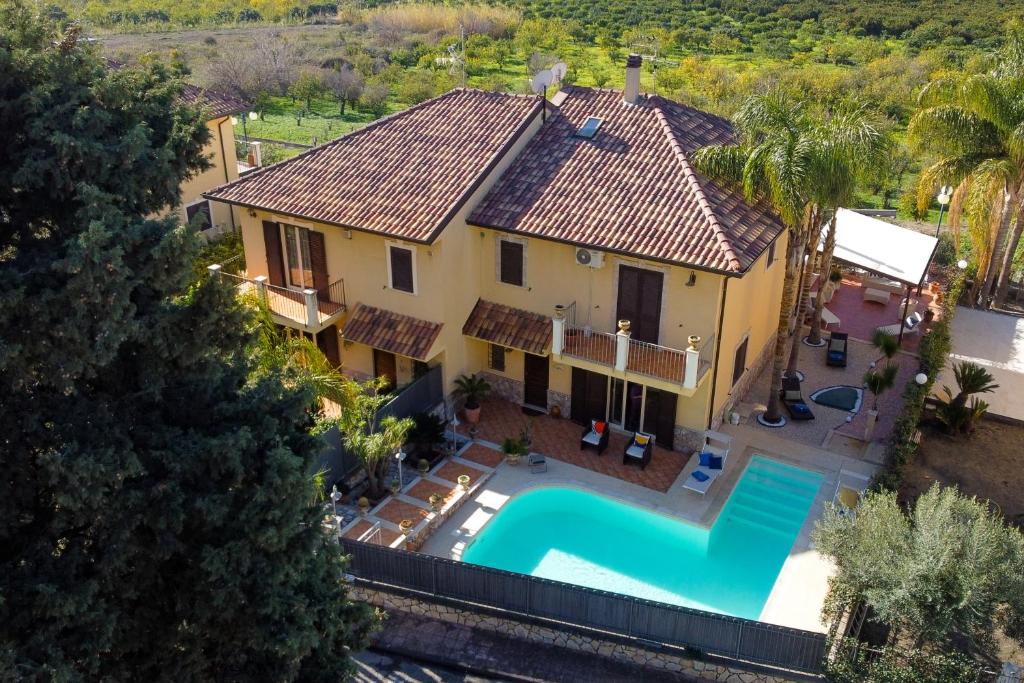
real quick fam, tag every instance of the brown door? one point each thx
(275, 255)
(639, 302)
(535, 379)
(589, 395)
(318, 264)
(384, 365)
(327, 341)
(660, 416)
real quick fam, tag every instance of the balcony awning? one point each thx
(400, 334)
(883, 248)
(510, 327)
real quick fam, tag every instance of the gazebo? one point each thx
(885, 250)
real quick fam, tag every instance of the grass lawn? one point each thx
(282, 121)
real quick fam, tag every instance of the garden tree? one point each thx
(950, 568)
(154, 511)
(975, 127)
(599, 73)
(417, 86)
(801, 165)
(375, 99)
(854, 663)
(345, 84)
(309, 85)
(374, 441)
(880, 380)
(502, 51)
(954, 411)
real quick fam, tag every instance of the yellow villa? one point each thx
(566, 249)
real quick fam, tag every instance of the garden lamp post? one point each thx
(400, 457)
(335, 497)
(921, 378)
(944, 197)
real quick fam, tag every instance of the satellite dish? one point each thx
(558, 71)
(541, 81)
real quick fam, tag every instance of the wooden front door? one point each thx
(275, 253)
(589, 396)
(660, 416)
(535, 379)
(327, 341)
(384, 365)
(639, 302)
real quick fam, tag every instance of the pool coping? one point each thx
(801, 585)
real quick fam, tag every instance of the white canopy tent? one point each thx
(883, 248)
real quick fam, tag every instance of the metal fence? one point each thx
(621, 615)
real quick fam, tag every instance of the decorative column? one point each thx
(312, 310)
(622, 346)
(692, 362)
(213, 269)
(557, 330)
(261, 287)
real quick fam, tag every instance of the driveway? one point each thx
(996, 342)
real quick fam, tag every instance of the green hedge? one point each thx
(933, 352)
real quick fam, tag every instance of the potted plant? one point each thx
(364, 505)
(423, 466)
(435, 501)
(472, 389)
(464, 482)
(395, 486)
(405, 525)
(513, 448)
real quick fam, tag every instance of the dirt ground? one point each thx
(988, 464)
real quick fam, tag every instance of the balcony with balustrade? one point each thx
(309, 310)
(679, 370)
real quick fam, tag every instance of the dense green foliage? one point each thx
(949, 569)
(155, 517)
(855, 663)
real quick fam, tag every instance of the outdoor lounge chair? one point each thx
(638, 450)
(793, 399)
(837, 349)
(912, 325)
(878, 296)
(710, 462)
(537, 462)
(595, 436)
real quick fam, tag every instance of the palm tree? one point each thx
(802, 165)
(975, 127)
(971, 379)
(880, 381)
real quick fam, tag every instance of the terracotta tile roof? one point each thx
(215, 104)
(507, 326)
(630, 189)
(403, 175)
(400, 334)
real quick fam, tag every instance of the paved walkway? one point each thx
(996, 342)
(500, 656)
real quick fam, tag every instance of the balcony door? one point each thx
(639, 302)
(306, 259)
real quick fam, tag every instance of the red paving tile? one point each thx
(483, 455)
(387, 536)
(859, 318)
(396, 510)
(425, 488)
(560, 438)
(452, 470)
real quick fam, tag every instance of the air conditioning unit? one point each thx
(589, 257)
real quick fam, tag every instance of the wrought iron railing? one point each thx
(311, 311)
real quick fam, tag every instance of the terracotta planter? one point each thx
(435, 502)
(405, 525)
(464, 481)
(512, 458)
(473, 415)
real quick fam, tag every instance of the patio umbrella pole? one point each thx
(906, 305)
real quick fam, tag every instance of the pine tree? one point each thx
(155, 505)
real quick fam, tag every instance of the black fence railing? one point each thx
(737, 639)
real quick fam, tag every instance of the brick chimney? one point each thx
(632, 90)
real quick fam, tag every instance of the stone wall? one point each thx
(505, 387)
(562, 401)
(739, 391)
(673, 661)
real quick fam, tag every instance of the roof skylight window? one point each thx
(589, 128)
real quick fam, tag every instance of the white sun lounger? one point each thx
(718, 444)
(879, 296)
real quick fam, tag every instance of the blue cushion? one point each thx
(699, 476)
(835, 355)
(716, 463)
(800, 408)
(705, 459)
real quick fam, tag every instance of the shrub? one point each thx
(852, 663)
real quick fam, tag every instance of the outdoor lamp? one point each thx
(234, 121)
(400, 456)
(253, 115)
(921, 378)
(961, 264)
(944, 197)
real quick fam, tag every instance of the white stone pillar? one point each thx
(261, 287)
(622, 346)
(312, 311)
(558, 330)
(213, 269)
(692, 363)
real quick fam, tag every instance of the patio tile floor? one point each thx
(859, 318)
(396, 510)
(488, 457)
(425, 488)
(387, 535)
(560, 438)
(452, 470)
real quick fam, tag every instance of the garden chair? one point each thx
(537, 463)
(595, 436)
(638, 450)
(793, 399)
(912, 325)
(837, 350)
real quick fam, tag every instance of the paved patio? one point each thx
(560, 438)
(859, 318)
(996, 342)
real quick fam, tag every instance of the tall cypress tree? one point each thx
(156, 516)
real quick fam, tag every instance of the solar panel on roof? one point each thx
(589, 128)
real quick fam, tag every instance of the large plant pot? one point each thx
(473, 415)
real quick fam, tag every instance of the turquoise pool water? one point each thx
(571, 535)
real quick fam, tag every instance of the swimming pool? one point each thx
(572, 535)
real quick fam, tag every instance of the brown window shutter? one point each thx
(275, 255)
(401, 269)
(327, 341)
(512, 263)
(318, 263)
